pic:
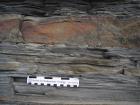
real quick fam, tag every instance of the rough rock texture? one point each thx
(37, 58)
(10, 28)
(95, 23)
(76, 38)
(108, 76)
(58, 31)
(98, 31)
(120, 8)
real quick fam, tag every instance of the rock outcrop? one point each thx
(120, 8)
(95, 31)
(97, 41)
(95, 23)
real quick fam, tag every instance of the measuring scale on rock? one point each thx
(53, 81)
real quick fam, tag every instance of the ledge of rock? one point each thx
(96, 23)
(95, 31)
(97, 41)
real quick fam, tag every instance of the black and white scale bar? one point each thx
(53, 81)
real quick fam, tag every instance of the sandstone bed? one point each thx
(95, 40)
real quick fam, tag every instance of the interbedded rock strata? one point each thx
(90, 30)
(73, 22)
(97, 41)
(120, 8)
(96, 31)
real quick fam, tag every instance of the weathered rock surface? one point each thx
(107, 75)
(94, 90)
(59, 31)
(82, 22)
(80, 38)
(10, 28)
(69, 60)
(120, 8)
(97, 31)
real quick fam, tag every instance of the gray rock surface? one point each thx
(120, 8)
(108, 76)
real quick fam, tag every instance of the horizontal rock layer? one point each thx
(95, 31)
(107, 75)
(34, 58)
(97, 23)
(66, 33)
(69, 23)
(120, 8)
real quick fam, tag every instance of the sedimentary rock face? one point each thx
(79, 22)
(71, 7)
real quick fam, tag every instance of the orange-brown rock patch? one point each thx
(10, 28)
(96, 31)
(57, 32)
